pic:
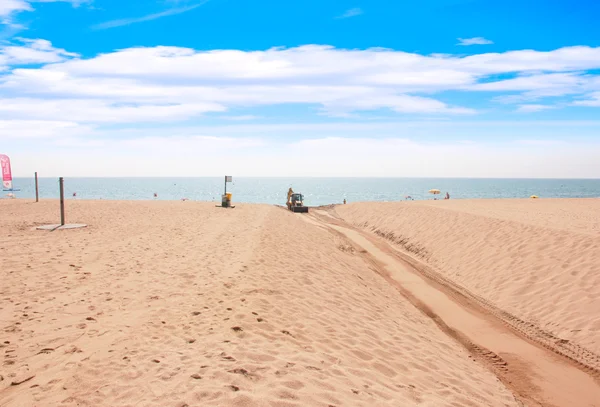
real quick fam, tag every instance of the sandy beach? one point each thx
(537, 259)
(185, 304)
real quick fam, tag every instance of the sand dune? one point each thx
(185, 304)
(537, 259)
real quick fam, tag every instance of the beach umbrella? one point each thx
(534, 197)
(434, 191)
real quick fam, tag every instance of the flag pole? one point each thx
(62, 201)
(37, 193)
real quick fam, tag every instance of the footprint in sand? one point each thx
(225, 357)
(243, 372)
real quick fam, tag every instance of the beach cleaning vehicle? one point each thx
(296, 203)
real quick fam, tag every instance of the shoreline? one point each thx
(71, 199)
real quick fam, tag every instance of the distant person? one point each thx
(74, 194)
(155, 195)
(447, 196)
(344, 201)
(289, 198)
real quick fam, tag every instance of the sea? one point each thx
(316, 191)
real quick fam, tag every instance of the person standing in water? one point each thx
(447, 196)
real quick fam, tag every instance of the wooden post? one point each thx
(37, 191)
(62, 201)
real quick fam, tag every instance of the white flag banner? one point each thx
(228, 178)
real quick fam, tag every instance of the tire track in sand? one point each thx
(530, 368)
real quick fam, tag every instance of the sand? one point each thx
(182, 303)
(185, 304)
(537, 259)
(534, 368)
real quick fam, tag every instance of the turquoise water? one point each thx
(317, 191)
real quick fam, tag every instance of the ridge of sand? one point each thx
(536, 259)
(184, 304)
(538, 376)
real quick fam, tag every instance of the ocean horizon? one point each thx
(317, 191)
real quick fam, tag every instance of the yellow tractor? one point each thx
(295, 202)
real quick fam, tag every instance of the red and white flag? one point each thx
(6, 171)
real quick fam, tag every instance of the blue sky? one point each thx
(351, 88)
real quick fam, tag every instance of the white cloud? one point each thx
(19, 129)
(474, 41)
(98, 111)
(534, 108)
(325, 64)
(339, 81)
(564, 59)
(537, 86)
(149, 17)
(190, 144)
(593, 100)
(75, 3)
(29, 51)
(397, 103)
(9, 8)
(240, 118)
(353, 12)
(26, 51)
(536, 82)
(167, 84)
